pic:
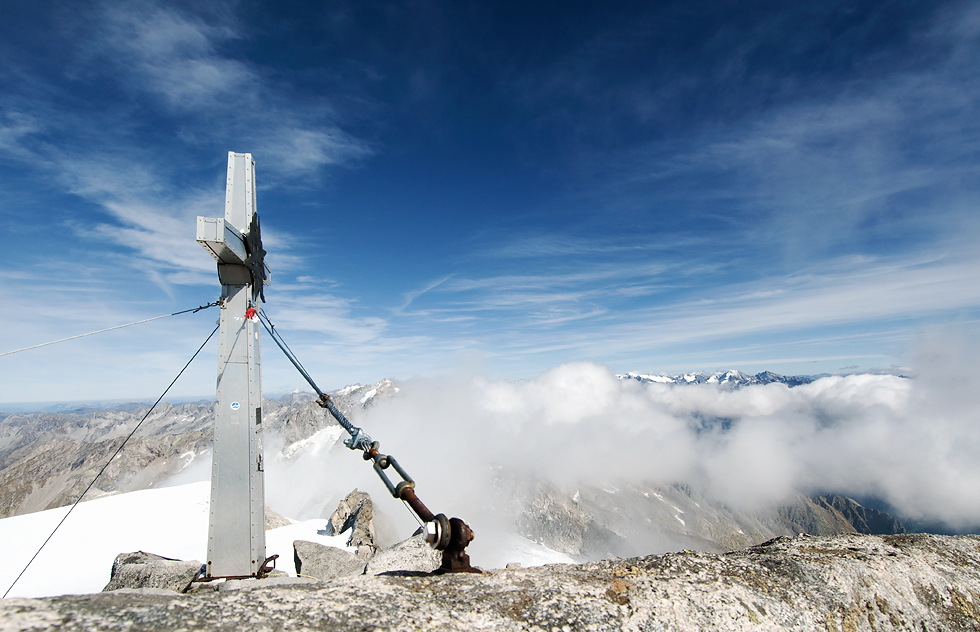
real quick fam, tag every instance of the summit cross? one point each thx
(236, 522)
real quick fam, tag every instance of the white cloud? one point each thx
(906, 441)
(184, 66)
(875, 291)
(191, 66)
(606, 311)
(175, 55)
(409, 297)
(867, 164)
(15, 128)
(328, 315)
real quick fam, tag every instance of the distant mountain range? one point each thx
(731, 379)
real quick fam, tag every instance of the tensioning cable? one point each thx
(358, 439)
(269, 327)
(118, 450)
(92, 333)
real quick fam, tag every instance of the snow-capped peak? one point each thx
(732, 378)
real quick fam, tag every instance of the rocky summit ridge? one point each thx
(846, 583)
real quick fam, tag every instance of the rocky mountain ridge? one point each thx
(592, 522)
(845, 583)
(730, 379)
(47, 459)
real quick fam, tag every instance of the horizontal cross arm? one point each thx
(222, 240)
(227, 246)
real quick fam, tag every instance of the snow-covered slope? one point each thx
(172, 522)
(169, 521)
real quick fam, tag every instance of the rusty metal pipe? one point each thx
(408, 495)
(449, 535)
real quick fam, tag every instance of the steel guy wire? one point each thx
(92, 333)
(269, 327)
(118, 450)
(358, 438)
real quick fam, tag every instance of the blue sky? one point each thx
(492, 188)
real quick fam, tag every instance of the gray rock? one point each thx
(145, 591)
(141, 570)
(413, 554)
(355, 512)
(136, 557)
(274, 520)
(325, 562)
(844, 583)
(266, 582)
(863, 519)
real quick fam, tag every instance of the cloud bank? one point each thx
(908, 441)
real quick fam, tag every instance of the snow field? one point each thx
(167, 521)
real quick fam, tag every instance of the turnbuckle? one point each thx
(381, 463)
(449, 535)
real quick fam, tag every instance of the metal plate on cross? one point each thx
(255, 261)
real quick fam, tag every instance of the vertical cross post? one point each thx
(236, 526)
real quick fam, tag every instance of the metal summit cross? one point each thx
(236, 525)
